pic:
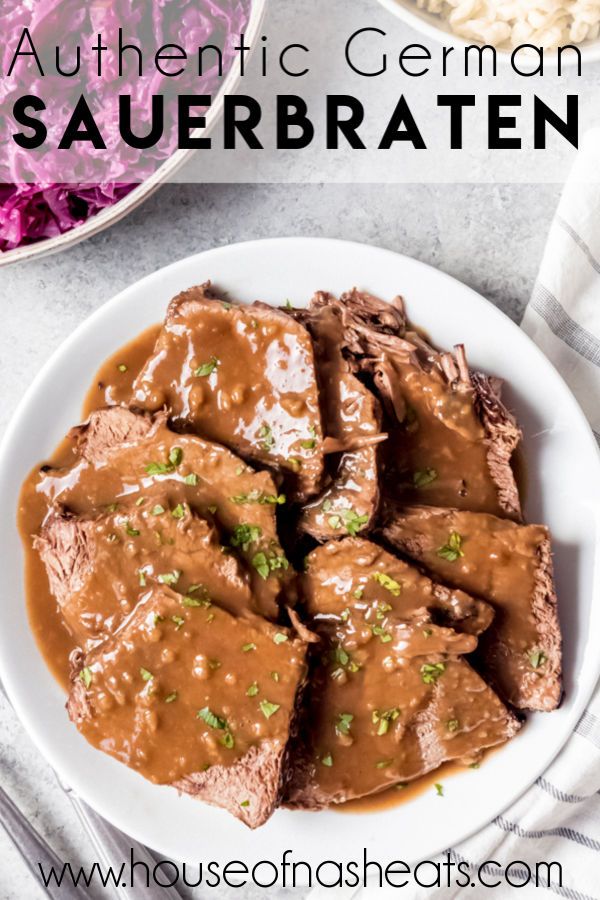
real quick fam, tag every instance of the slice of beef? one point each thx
(108, 428)
(451, 439)
(100, 567)
(147, 461)
(390, 696)
(188, 696)
(357, 573)
(243, 376)
(352, 418)
(509, 566)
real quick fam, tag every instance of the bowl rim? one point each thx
(427, 23)
(117, 211)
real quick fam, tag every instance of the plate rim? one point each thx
(27, 719)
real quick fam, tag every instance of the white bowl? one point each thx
(439, 29)
(119, 210)
(559, 447)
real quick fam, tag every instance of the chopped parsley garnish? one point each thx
(192, 479)
(86, 676)
(389, 583)
(122, 367)
(347, 517)
(354, 522)
(175, 456)
(266, 434)
(112, 507)
(452, 724)
(279, 637)
(248, 647)
(244, 803)
(423, 477)
(170, 577)
(537, 658)
(381, 609)
(357, 594)
(430, 672)
(131, 531)
(179, 622)
(266, 563)
(383, 763)
(170, 698)
(211, 719)
(158, 468)
(452, 550)
(268, 709)
(244, 535)
(275, 676)
(207, 368)
(382, 719)
(212, 509)
(311, 442)
(326, 506)
(214, 664)
(295, 463)
(343, 661)
(345, 615)
(327, 760)
(257, 496)
(179, 511)
(439, 789)
(146, 674)
(344, 720)
(384, 636)
(252, 690)
(228, 740)
(158, 510)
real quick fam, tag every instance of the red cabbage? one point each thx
(34, 206)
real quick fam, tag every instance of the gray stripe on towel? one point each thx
(589, 728)
(563, 326)
(569, 833)
(568, 229)
(557, 794)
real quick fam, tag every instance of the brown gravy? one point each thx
(110, 385)
(402, 793)
(130, 372)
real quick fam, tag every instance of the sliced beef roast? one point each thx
(241, 375)
(99, 567)
(155, 465)
(352, 417)
(390, 696)
(506, 564)
(193, 697)
(450, 437)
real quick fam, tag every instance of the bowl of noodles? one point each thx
(39, 214)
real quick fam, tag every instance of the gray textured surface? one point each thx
(489, 237)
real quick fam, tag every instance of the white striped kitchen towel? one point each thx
(559, 817)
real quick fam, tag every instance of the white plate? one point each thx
(564, 480)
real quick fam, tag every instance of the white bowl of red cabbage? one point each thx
(39, 216)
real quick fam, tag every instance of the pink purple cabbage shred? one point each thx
(33, 205)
